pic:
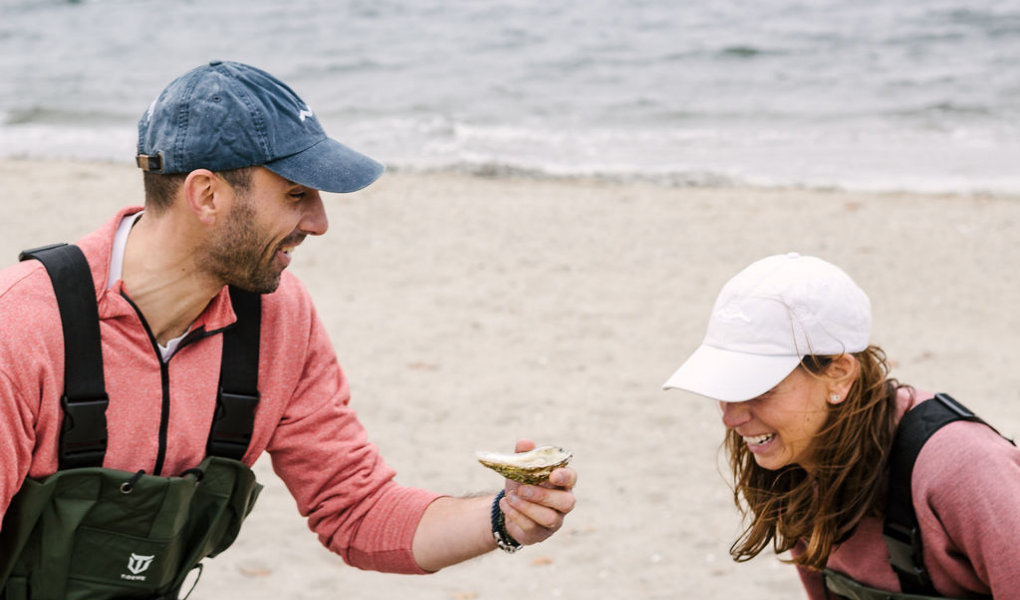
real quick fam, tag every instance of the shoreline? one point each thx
(468, 311)
(675, 181)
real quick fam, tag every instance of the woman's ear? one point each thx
(841, 373)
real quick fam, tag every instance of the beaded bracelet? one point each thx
(504, 540)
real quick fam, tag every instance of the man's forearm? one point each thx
(453, 530)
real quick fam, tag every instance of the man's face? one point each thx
(263, 227)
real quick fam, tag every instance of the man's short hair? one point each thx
(161, 189)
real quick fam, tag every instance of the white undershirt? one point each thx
(117, 269)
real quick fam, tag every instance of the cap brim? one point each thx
(730, 376)
(328, 166)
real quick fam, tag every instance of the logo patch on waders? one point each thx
(137, 565)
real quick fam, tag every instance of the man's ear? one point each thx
(207, 196)
(841, 373)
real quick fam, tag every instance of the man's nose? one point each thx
(314, 221)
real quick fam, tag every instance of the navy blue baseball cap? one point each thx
(228, 115)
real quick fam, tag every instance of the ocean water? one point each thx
(914, 95)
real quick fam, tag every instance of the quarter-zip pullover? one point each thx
(159, 414)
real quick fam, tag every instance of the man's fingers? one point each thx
(530, 523)
(565, 478)
(536, 506)
(558, 500)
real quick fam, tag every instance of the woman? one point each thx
(811, 415)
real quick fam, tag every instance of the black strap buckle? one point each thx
(905, 554)
(232, 424)
(83, 435)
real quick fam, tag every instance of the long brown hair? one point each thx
(847, 481)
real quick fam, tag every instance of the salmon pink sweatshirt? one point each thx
(966, 488)
(160, 412)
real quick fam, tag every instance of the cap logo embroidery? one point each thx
(306, 112)
(732, 312)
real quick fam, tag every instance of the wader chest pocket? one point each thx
(76, 535)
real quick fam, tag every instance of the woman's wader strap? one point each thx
(83, 435)
(901, 531)
(238, 396)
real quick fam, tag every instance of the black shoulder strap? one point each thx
(83, 435)
(238, 396)
(901, 531)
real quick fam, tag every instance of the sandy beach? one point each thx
(470, 311)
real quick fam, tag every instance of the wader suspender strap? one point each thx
(239, 379)
(83, 437)
(901, 531)
(83, 434)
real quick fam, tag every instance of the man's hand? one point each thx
(453, 530)
(535, 512)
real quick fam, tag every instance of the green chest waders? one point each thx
(901, 530)
(89, 533)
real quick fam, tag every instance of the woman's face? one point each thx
(780, 425)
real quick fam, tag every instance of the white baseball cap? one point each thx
(767, 318)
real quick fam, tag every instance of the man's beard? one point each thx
(240, 257)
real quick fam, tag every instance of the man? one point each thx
(234, 164)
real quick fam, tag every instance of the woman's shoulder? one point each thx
(960, 442)
(965, 484)
(962, 455)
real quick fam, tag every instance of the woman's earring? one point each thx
(834, 398)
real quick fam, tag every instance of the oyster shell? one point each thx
(531, 467)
